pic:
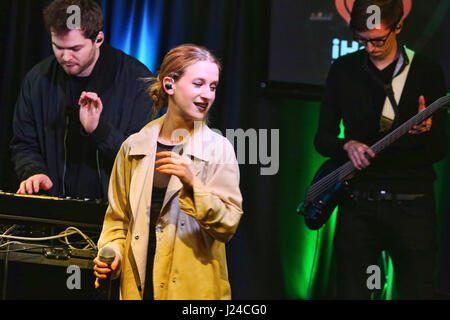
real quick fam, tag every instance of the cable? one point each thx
(68, 232)
(30, 246)
(100, 182)
(312, 266)
(9, 229)
(64, 234)
(89, 241)
(17, 242)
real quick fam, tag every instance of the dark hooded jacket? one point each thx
(47, 134)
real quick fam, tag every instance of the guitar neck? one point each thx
(406, 126)
(341, 173)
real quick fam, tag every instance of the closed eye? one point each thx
(76, 49)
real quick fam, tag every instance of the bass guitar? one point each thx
(329, 182)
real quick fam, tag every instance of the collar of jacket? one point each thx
(194, 146)
(404, 59)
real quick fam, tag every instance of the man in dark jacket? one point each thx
(76, 108)
(391, 207)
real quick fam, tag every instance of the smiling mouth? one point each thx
(201, 106)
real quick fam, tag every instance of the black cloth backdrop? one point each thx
(240, 40)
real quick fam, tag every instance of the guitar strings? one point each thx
(322, 185)
(319, 187)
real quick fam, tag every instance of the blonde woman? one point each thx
(174, 197)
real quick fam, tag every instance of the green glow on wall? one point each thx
(297, 243)
(388, 268)
(299, 162)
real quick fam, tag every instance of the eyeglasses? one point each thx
(377, 42)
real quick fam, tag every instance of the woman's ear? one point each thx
(169, 85)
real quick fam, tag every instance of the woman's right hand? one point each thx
(101, 269)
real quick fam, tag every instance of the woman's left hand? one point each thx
(173, 163)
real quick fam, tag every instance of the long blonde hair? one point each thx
(174, 65)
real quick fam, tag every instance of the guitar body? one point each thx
(318, 210)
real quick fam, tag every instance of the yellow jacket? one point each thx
(190, 260)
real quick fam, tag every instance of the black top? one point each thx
(81, 178)
(160, 183)
(353, 95)
(385, 75)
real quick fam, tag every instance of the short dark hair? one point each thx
(391, 13)
(56, 17)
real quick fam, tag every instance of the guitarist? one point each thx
(391, 201)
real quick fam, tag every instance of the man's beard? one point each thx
(81, 68)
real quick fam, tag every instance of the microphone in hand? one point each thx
(107, 255)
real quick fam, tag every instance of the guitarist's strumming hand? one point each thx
(425, 125)
(357, 152)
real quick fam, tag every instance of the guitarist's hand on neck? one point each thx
(425, 126)
(357, 152)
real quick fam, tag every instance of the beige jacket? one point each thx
(190, 260)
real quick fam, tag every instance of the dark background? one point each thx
(307, 59)
(272, 253)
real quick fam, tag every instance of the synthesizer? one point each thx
(65, 211)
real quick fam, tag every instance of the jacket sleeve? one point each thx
(107, 137)
(326, 140)
(26, 153)
(117, 217)
(217, 203)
